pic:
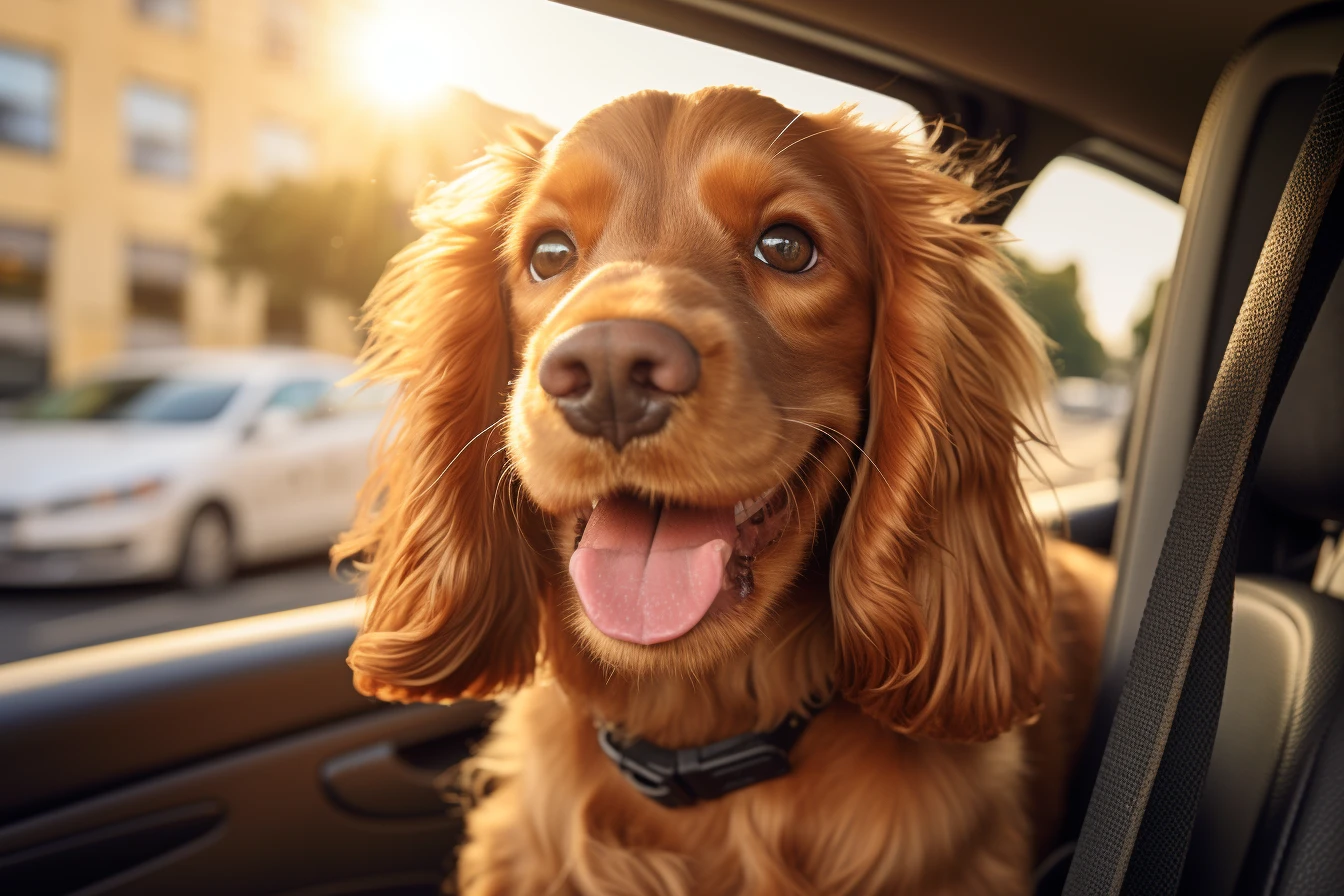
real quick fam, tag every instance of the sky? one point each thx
(557, 63)
(1122, 236)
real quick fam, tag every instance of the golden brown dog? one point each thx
(708, 410)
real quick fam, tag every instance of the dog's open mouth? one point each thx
(648, 572)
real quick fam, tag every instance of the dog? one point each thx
(705, 461)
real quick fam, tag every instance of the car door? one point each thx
(340, 432)
(280, 470)
(229, 759)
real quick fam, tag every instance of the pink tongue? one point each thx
(648, 578)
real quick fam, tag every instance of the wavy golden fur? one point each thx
(911, 579)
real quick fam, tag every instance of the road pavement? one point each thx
(35, 622)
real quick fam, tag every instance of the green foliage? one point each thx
(1051, 298)
(306, 237)
(1143, 329)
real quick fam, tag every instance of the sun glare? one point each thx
(402, 56)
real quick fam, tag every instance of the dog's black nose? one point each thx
(616, 378)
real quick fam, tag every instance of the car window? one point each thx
(359, 398)
(247, 222)
(300, 396)
(133, 399)
(1093, 252)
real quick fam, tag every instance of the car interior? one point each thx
(237, 757)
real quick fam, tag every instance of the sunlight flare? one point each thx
(402, 55)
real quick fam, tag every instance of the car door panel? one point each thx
(257, 820)
(234, 758)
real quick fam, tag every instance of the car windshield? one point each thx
(148, 399)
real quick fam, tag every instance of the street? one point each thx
(37, 622)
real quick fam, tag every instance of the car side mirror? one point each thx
(272, 423)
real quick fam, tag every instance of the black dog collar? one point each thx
(684, 777)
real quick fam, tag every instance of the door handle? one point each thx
(379, 780)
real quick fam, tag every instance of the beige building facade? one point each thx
(123, 121)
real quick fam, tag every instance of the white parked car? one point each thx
(183, 463)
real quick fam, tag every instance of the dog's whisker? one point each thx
(834, 435)
(830, 434)
(838, 480)
(426, 490)
(504, 474)
(516, 491)
(793, 499)
(816, 507)
(502, 471)
(781, 133)
(801, 139)
(517, 511)
(857, 446)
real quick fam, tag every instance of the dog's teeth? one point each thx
(745, 510)
(596, 501)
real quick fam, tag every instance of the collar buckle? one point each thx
(684, 777)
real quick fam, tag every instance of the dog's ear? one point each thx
(939, 589)
(453, 575)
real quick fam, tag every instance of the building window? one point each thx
(24, 258)
(282, 151)
(284, 30)
(179, 15)
(27, 100)
(159, 125)
(158, 290)
(286, 321)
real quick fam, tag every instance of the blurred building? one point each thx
(122, 121)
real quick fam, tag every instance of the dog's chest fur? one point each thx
(863, 811)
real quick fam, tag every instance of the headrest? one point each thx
(1302, 469)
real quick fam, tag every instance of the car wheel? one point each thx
(207, 550)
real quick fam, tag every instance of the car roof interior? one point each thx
(1140, 73)
(256, 722)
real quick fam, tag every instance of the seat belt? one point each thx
(1138, 823)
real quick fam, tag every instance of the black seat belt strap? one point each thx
(1138, 823)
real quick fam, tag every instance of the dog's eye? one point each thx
(551, 255)
(786, 248)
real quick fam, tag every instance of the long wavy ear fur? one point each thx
(454, 581)
(939, 588)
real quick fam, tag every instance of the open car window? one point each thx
(280, 224)
(356, 104)
(1093, 252)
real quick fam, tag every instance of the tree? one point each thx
(1143, 329)
(1051, 298)
(305, 238)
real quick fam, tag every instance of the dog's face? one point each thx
(637, 364)
(695, 319)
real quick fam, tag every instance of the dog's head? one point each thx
(642, 364)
